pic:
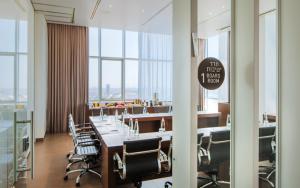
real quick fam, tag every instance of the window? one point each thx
(22, 77)
(111, 43)
(131, 79)
(114, 67)
(13, 61)
(7, 78)
(217, 46)
(93, 79)
(132, 44)
(111, 79)
(93, 41)
(7, 35)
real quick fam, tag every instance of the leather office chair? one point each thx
(82, 132)
(161, 109)
(218, 151)
(137, 109)
(200, 152)
(140, 158)
(86, 151)
(267, 136)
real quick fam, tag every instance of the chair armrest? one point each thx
(118, 161)
(163, 157)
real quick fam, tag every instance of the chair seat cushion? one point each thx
(86, 150)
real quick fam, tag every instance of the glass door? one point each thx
(213, 116)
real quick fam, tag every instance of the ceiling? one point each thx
(129, 14)
(213, 17)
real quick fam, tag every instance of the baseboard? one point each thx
(39, 139)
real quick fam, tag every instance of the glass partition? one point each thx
(214, 125)
(268, 94)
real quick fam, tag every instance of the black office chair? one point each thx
(161, 109)
(200, 152)
(140, 158)
(86, 151)
(267, 147)
(137, 109)
(218, 152)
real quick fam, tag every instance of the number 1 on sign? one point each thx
(203, 80)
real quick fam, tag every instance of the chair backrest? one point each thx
(72, 128)
(266, 139)
(161, 109)
(137, 109)
(199, 147)
(219, 147)
(141, 157)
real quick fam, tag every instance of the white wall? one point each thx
(41, 59)
(290, 91)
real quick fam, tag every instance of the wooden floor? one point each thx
(50, 162)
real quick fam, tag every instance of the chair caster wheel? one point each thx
(68, 155)
(66, 178)
(67, 170)
(77, 184)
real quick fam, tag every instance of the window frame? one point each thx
(122, 59)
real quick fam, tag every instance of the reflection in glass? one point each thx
(111, 79)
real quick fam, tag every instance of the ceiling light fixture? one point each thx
(110, 6)
(143, 11)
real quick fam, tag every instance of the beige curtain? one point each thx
(67, 75)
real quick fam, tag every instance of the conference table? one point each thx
(112, 133)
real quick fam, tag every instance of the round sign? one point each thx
(211, 73)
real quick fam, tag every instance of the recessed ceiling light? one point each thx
(143, 10)
(210, 13)
(110, 6)
(223, 6)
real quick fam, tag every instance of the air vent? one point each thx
(55, 13)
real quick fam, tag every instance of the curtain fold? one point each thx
(67, 75)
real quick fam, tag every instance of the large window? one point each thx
(13, 61)
(113, 64)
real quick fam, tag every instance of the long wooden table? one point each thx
(150, 122)
(112, 134)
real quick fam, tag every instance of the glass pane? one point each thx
(111, 43)
(7, 35)
(111, 79)
(93, 41)
(23, 78)
(23, 37)
(6, 78)
(214, 43)
(131, 79)
(132, 44)
(93, 79)
(268, 85)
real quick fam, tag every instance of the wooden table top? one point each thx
(113, 133)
